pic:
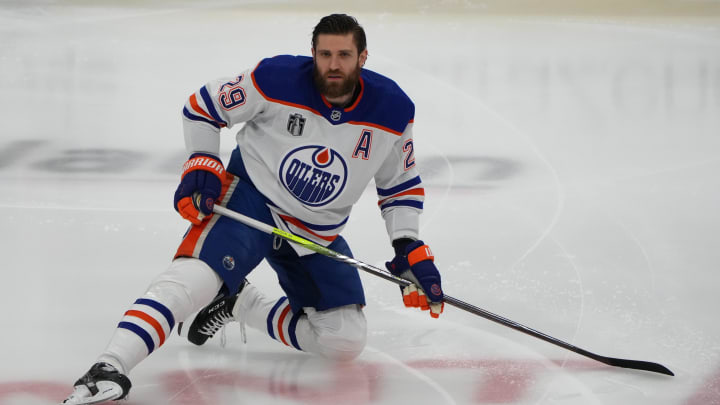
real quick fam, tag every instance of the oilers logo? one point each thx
(228, 262)
(313, 174)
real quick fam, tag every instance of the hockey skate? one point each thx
(101, 383)
(212, 318)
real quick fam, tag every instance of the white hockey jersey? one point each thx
(312, 160)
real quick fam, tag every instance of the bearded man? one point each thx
(317, 131)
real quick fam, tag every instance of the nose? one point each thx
(335, 62)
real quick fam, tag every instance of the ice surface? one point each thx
(571, 166)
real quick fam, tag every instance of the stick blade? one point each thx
(637, 365)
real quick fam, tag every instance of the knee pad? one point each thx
(341, 332)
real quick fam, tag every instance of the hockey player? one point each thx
(317, 131)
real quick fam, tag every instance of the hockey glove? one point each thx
(414, 262)
(200, 185)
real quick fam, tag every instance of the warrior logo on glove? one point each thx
(200, 186)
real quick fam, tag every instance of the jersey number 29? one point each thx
(231, 95)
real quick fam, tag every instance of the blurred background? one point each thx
(569, 152)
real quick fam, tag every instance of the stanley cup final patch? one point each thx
(296, 124)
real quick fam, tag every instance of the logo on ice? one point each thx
(313, 174)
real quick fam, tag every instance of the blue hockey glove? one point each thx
(200, 185)
(414, 262)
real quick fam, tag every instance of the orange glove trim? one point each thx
(419, 254)
(187, 210)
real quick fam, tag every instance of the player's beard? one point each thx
(334, 90)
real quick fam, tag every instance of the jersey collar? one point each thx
(354, 104)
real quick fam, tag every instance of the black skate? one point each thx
(101, 383)
(212, 318)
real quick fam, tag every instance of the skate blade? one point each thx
(107, 391)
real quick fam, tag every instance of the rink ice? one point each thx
(571, 176)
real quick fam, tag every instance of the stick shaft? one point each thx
(261, 226)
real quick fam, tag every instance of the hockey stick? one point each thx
(253, 223)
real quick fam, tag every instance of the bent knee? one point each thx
(342, 348)
(343, 336)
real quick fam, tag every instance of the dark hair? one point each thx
(340, 24)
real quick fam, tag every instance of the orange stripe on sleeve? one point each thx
(196, 107)
(415, 191)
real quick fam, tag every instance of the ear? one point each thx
(312, 51)
(362, 58)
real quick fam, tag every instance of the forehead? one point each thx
(335, 42)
